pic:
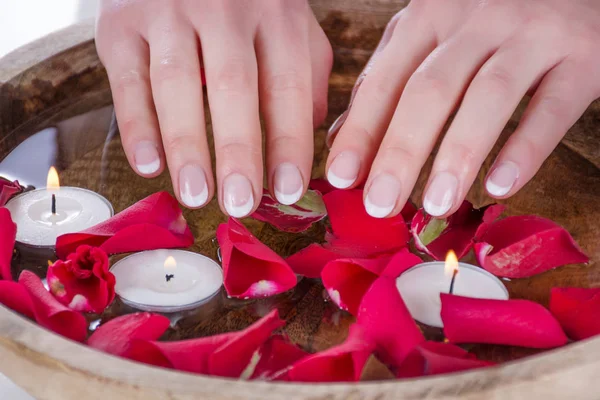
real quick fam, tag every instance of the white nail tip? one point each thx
(194, 201)
(240, 211)
(288, 199)
(436, 210)
(149, 168)
(496, 190)
(376, 211)
(338, 182)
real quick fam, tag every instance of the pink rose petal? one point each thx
(523, 246)
(250, 268)
(343, 363)
(388, 323)
(14, 296)
(577, 310)
(8, 233)
(310, 261)
(115, 336)
(50, 313)
(506, 322)
(294, 218)
(152, 223)
(8, 189)
(434, 358)
(277, 355)
(355, 233)
(436, 237)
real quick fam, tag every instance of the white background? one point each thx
(22, 21)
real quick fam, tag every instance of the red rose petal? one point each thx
(8, 189)
(115, 336)
(522, 246)
(250, 268)
(242, 346)
(434, 358)
(388, 323)
(311, 260)
(402, 261)
(83, 282)
(507, 322)
(185, 355)
(438, 236)
(356, 233)
(343, 363)
(347, 280)
(294, 218)
(577, 310)
(277, 355)
(152, 223)
(321, 185)
(50, 313)
(14, 296)
(223, 355)
(8, 233)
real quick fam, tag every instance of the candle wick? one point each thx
(54, 204)
(168, 277)
(454, 273)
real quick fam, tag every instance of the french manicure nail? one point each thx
(440, 194)
(287, 183)
(344, 169)
(237, 195)
(335, 128)
(502, 179)
(146, 158)
(382, 195)
(193, 188)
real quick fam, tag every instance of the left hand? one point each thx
(480, 57)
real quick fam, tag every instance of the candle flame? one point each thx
(451, 264)
(170, 264)
(52, 182)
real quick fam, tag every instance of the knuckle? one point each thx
(178, 140)
(237, 150)
(361, 132)
(496, 80)
(287, 82)
(173, 68)
(555, 108)
(285, 142)
(235, 76)
(125, 80)
(430, 82)
(462, 151)
(402, 152)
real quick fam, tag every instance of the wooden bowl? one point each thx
(59, 82)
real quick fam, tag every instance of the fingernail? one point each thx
(440, 195)
(192, 186)
(237, 195)
(146, 158)
(382, 195)
(344, 170)
(335, 128)
(502, 178)
(287, 183)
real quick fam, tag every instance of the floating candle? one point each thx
(421, 286)
(44, 214)
(167, 280)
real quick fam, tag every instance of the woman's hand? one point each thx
(480, 58)
(271, 54)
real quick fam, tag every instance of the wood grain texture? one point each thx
(60, 82)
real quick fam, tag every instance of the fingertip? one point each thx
(288, 185)
(147, 160)
(502, 179)
(238, 195)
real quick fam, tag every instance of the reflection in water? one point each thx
(30, 161)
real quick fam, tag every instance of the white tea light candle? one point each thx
(421, 286)
(44, 214)
(167, 280)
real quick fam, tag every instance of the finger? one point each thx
(385, 39)
(177, 90)
(489, 102)
(286, 103)
(373, 106)
(232, 84)
(126, 60)
(429, 97)
(562, 97)
(321, 57)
